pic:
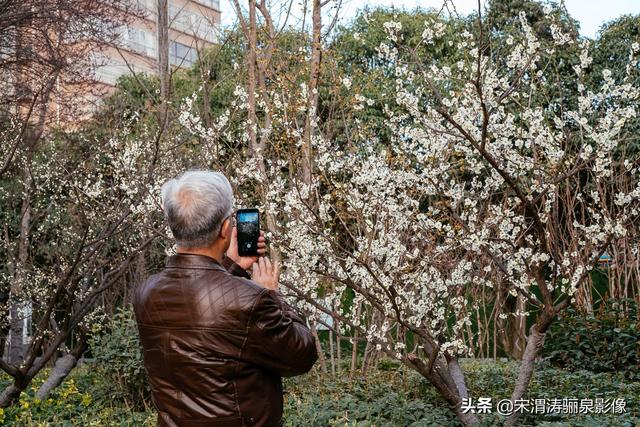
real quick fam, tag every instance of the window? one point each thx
(139, 40)
(108, 70)
(144, 6)
(179, 18)
(192, 23)
(181, 54)
(214, 4)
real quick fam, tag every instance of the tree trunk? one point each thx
(62, 368)
(252, 123)
(448, 380)
(164, 70)
(19, 307)
(519, 328)
(354, 348)
(370, 351)
(333, 359)
(458, 376)
(583, 297)
(314, 332)
(15, 342)
(534, 344)
(338, 350)
(6, 326)
(512, 330)
(4, 331)
(9, 395)
(312, 96)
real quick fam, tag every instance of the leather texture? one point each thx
(216, 344)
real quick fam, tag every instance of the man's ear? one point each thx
(226, 228)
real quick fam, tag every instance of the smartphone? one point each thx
(248, 223)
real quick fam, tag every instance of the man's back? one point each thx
(216, 345)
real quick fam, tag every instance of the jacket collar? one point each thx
(201, 262)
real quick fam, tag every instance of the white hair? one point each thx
(195, 205)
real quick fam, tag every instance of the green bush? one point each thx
(608, 341)
(118, 358)
(385, 398)
(392, 396)
(85, 398)
(401, 397)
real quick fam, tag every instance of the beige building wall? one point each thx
(194, 26)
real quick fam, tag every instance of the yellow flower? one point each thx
(86, 399)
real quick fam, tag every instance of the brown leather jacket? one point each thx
(216, 344)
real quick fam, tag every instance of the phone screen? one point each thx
(248, 223)
(248, 217)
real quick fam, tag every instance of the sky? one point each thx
(590, 13)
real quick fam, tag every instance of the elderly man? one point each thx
(216, 341)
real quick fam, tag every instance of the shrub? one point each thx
(392, 396)
(401, 397)
(118, 355)
(385, 398)
(85, 398)
(608, 341)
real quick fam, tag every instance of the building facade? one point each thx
(193, 26)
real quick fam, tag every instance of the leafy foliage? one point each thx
(362, 85)
(607, 341)
(86, 398)
(391, 396)
(116, 350)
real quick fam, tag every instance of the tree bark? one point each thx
(440, 376)
(9, 395)
(354, 348)
(338, 339)
(15, 342)
(534, 344)
(458, 376)
(312, 96)
(333, 359)
(314, 332)
(252, 123)
(62, 368)
(164, 70)
(18, 308)
(519, 329)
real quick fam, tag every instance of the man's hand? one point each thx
(265, 274)
(245, 261)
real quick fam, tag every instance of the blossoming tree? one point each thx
(487, 186)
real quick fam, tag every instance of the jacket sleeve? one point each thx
(278, 339)
(234, 268)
